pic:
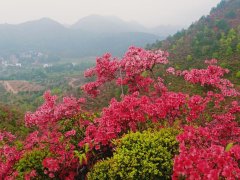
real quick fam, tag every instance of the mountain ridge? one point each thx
(49, 36)
(134, 26)
(107, 24)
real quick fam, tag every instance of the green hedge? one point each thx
(147, 155)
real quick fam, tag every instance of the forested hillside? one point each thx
(216, 35)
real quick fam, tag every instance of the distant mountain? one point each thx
(42, 24)
(113, 24)
(41, 35)
(107, 24)
(165, 30)
(216, 35)
(91, 36)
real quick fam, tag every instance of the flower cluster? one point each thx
(9, 155)
(50, 112)
(209, 152)
(212, 76)
(133, 111)
(127, 71)
(105, 70)
(208, 163)
(51, 166)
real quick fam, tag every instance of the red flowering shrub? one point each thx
(199, 147)
(58, 128)
(9, 155)
(127, 71)
(75, 139)
(204, 153)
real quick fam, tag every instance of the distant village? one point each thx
(33, 58)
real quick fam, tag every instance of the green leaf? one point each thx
(86, 148)
(144, 74)
(229, 146)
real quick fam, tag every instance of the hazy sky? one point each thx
(147, 12)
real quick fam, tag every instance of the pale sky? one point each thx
(147, 12)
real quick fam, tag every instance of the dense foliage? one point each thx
(147, 155)
(216, 35)
(12, 120)
(72, 139)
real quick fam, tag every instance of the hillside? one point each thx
(216, 35)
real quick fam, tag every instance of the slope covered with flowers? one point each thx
(66, 140)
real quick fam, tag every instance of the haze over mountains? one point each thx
(113, 24)
(90, 36)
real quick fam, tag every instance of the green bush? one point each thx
(101, 170)
(32, 160)
(238, 74)
(147, 155)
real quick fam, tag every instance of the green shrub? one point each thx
(101, 170)
(147, 155)
(32, 160)
(238, 74)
